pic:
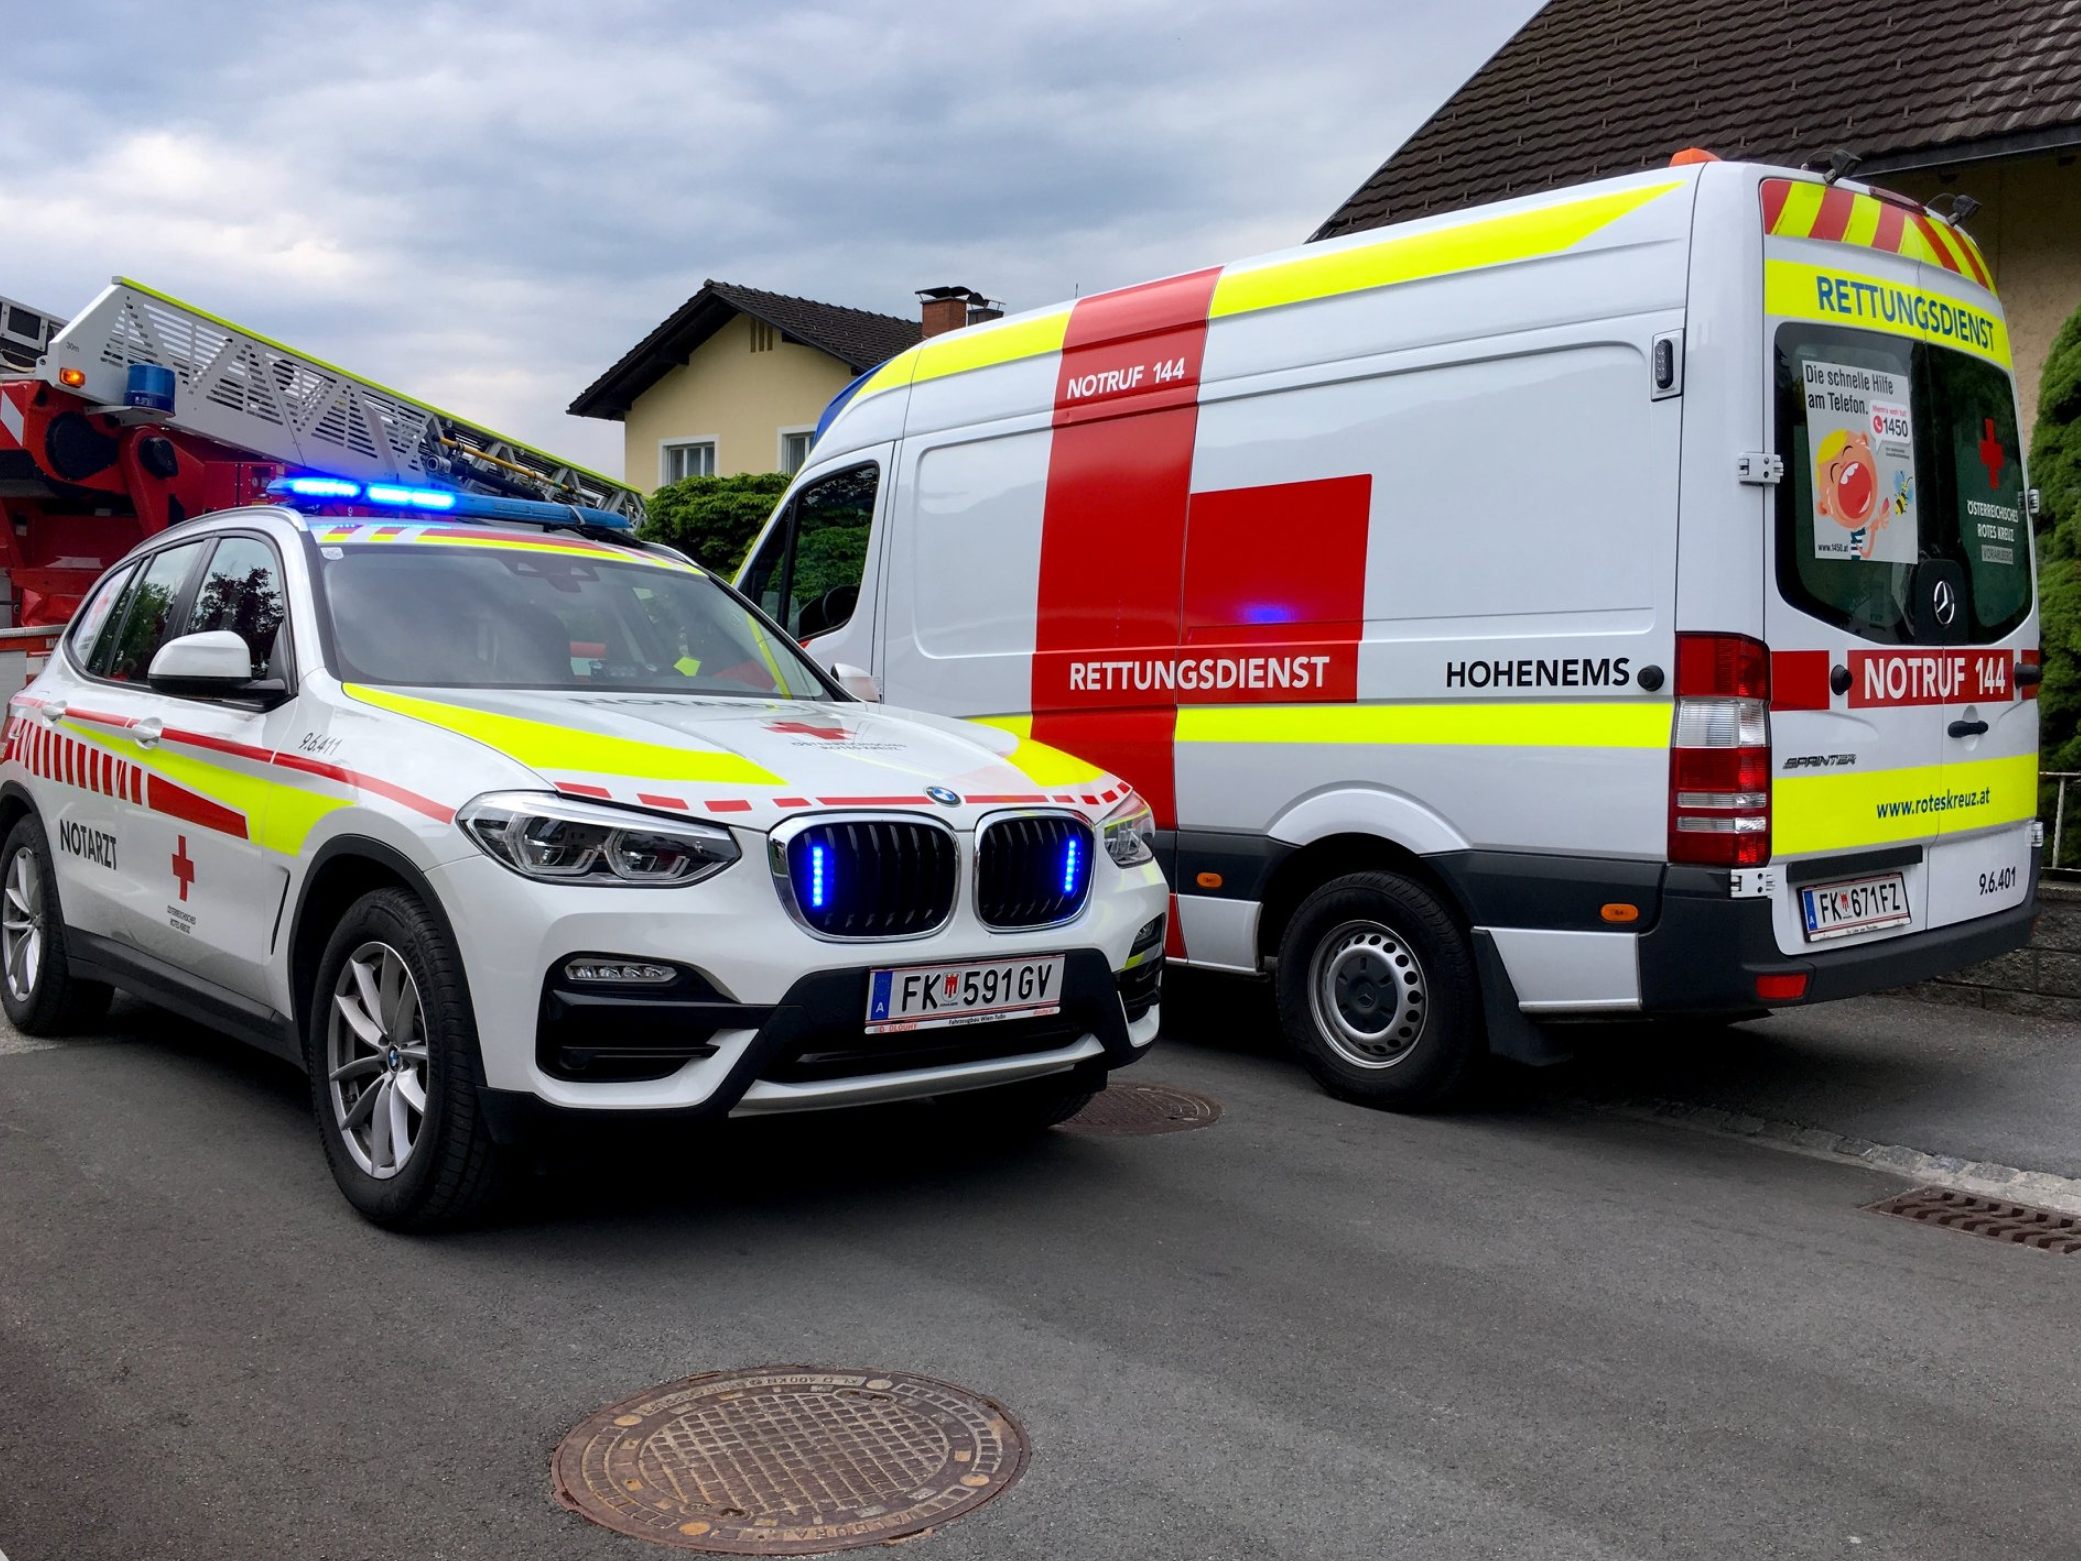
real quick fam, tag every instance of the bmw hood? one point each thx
(754, 762)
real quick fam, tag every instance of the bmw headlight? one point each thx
(1130, 832)
(558, 840)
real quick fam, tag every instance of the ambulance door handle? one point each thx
(54, 710)
(2029, 674)
(146, 733)
(1967, 728)
(1839, 679)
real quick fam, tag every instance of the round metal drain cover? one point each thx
(788, 1460)
(1128, 1109)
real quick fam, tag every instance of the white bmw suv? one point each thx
(492, 815)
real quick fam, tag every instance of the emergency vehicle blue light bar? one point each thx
(317, 491)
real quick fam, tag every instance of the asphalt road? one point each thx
(1538, 1329)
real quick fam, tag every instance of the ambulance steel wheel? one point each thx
(392, 1044)
(37, 987)
(1377, 992)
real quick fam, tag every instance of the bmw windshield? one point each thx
(426, 607)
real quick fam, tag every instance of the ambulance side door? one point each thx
(815, 569)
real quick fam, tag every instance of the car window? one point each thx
(242, 591)
(142, 617)
(94, 615)
(529, 617)
(807, 573)
(1898, 455)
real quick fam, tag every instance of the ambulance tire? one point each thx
(453, 1169)
(1377, 992)
(55, 1001)
(1017, 1110)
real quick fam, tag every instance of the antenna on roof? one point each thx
(1842, 162)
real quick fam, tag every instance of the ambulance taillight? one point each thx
(1719, 752)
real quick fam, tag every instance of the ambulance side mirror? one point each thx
(858, 682)
(214, 663)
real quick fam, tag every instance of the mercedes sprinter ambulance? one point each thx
(1612, 602)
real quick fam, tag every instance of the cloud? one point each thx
(486, 204)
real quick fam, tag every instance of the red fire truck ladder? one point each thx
(249, 392)
(86, 472)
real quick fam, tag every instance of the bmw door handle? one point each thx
(146, 733)
(1967, 728)
(54, 710)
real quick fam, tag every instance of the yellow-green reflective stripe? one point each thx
(1464, 246)
(1828, 811)
(1606, 724)
(279, 815)
(550, 749)
(1802, 206)
(1039, 763)
(1799, 291)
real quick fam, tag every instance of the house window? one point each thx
(794, 448)
(686, 458)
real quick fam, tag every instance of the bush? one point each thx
(2055, 469)
(714, 519)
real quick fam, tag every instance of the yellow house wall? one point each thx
(739, 398)
(2029, 227)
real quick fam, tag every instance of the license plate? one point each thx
(1835, 910)
(931, 997)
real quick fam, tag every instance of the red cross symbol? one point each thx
(1992, 455)
(183, 867)
(830, 734)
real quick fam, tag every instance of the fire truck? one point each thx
(143, 410)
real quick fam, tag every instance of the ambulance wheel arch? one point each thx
(60, 1002)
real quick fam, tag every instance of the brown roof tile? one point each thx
(1590, 88)
(858, 338)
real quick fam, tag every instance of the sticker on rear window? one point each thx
(1862, 434)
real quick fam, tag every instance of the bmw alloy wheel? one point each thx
(376, 1059)
(1367, 990)
(21, 925)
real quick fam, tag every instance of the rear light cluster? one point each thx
(1719, 753)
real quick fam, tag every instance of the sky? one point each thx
(485, 205)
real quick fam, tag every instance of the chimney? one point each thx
(949, 308)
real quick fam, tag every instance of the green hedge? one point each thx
(2055, 470)
(714, 518)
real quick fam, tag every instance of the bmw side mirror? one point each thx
(213, 664)
(858, 682)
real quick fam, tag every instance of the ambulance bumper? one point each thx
(1707, 949)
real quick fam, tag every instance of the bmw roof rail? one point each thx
(317, 492)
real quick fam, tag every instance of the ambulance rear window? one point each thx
(1897, 454)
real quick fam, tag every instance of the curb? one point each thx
(1982, 1178)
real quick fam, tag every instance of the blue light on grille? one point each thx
(817, 888)
(1069, 867)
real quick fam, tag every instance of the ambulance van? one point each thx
(1614, 602)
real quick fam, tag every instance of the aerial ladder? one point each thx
(143, 410)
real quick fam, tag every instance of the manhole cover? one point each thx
(788, 1460)
(1127, 1109)
(2011, 1222)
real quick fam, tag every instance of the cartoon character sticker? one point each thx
(1862, 434)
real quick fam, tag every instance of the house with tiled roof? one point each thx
(734, 378)
(1935, 97)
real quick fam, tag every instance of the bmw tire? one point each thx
(1377, 992)
(40, 993)
(392, 1045)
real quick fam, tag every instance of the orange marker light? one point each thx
(72, 379)
(1690, 155)
(1208, 880)
(1620, 911)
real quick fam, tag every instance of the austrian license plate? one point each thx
(1835, 910)
(931, 997)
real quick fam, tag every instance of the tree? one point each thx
(713, 519)
(2055, 470)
